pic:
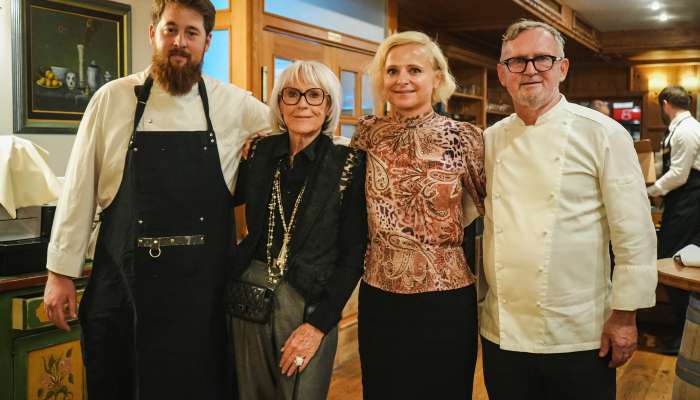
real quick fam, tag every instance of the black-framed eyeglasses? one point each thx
(543, 63)
(292, 96)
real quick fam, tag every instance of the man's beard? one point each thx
(176, 80)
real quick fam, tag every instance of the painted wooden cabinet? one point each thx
(37, 361)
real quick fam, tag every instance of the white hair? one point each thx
(312, 73)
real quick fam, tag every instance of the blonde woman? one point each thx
(307, 233)
(417, 305)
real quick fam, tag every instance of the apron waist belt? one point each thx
(155, 243)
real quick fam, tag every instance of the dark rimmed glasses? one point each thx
(543, 63)
(292, 96)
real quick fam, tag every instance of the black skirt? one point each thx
(417, 346)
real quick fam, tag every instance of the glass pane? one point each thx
(347, 130)
(217, 62)
(347, 81)
(367, 96)
(280, 65)
(363, 18)
(220, 4)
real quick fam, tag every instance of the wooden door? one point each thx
(279, 50)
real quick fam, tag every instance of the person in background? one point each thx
(158, 152)
(417, 305)
(680, 187)
(307, 234)
(563, 180)
(601, 106)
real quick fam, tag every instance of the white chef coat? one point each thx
(685, 153)
(97, 160)
(558, 191)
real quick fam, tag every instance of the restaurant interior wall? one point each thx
(60, 145)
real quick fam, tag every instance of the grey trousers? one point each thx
(257, 349)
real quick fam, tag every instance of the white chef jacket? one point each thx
(685, 154)
(558, 191)
(96, 164)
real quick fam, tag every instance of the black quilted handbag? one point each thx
(249, 302)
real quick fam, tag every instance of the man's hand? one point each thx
(59, 297)
(620, 334)
(304, 343)
(246, 146)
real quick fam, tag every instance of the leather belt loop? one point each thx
(154, 244)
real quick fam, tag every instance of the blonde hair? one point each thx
(312, 73)
(376, 68)
(527, 24)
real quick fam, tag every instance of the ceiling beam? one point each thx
(483, 25)
(630, 42)
(563, 18)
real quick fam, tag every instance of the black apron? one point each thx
(152, 316)
(680, 223)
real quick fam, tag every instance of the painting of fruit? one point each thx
(66, 49)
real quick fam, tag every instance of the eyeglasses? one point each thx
(518, 65)
(292, 96)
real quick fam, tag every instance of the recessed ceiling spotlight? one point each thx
(663, 17)
(655, 5)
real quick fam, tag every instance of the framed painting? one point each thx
(63, 51)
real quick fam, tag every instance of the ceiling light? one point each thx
(663, 17)
(655, 5)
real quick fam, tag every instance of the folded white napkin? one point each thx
(688, 256)
(25, 177)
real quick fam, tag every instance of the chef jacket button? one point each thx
(211, 134)
(557, 158)
(499, 230)
(545, 233)
(541, 268)
(212, 140)
(136, 149)
(205, 148)
(497, 196)
(150, 121)
(503, 301)
(498, 161)
(201, 219)
(140, 221)
(552, 195)
(539, 304)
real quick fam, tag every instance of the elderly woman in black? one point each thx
(303, 256)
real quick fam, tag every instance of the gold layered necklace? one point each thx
(276, 267)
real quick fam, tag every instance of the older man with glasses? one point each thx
(563, 180)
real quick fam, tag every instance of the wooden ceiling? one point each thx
(479, 24)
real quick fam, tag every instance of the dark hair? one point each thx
(676, 96)
(203, 7)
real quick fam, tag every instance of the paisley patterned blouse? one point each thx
(418, 170)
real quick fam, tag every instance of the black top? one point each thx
(292, 179)
(326, 250)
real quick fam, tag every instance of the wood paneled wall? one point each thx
(673, 74)
(619, 80)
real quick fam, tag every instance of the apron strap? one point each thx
(205, 104)
(142, 93)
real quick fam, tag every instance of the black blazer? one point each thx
(326, 256)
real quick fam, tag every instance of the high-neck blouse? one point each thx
(418, 170)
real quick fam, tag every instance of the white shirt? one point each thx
(96, 164)
(685, 154)
(558, 191)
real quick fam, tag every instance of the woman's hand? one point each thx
(303, 342)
